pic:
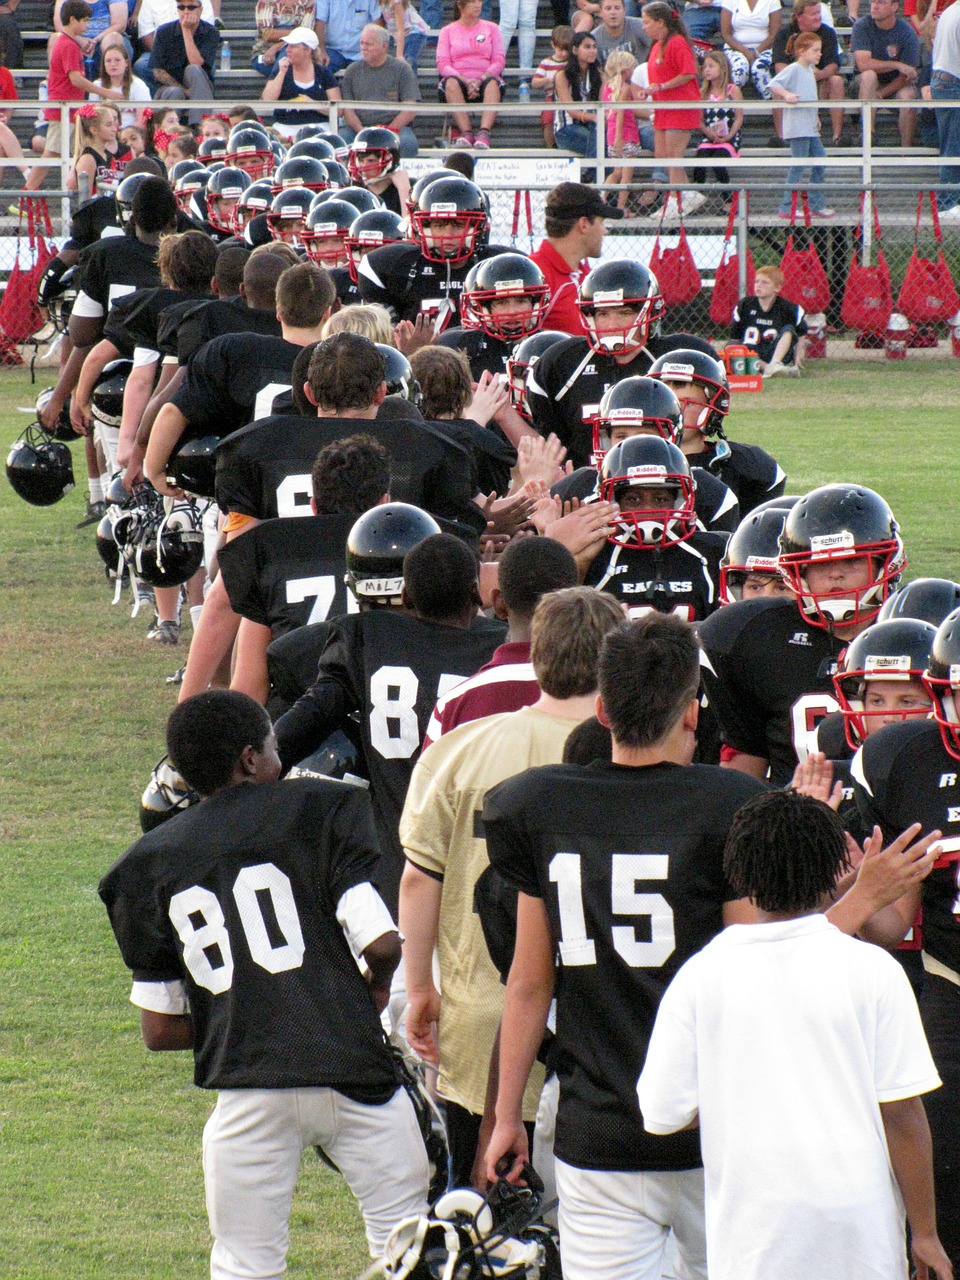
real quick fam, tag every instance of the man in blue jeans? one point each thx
(945, 87)
(339, 24)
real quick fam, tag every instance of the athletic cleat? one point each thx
(164, 633)
(94, 514)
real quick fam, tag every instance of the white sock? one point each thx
(195, 611)
(96, 489)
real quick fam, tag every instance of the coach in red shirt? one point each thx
(575, 230)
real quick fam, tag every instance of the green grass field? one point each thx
(99, 1140)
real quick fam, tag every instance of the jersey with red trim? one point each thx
(506, 683)
(682, 579)
(400, 278)
(768, 676)
(752, 473)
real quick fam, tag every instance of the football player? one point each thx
(622, 307)
(655, 557)
(425, 278)
(445, 852)
(503, 301)
(389, 664)
(770, 662)
(620, 873)
(700, 384)
(374, 163)
(264, 896)
(749, 567)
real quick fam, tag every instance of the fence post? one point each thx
(743, 229)
(66, 153)
(866, 125)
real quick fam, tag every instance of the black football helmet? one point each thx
(640, 405)
(254, 201)
(106, 543)
(190, 192)
(63, 428)
(179, 169)
(450, 217)
(316, 148)
(399, 376)
(370, 231)
(942, 681)
(165, 795)
(376, 546)
(248, 148)
(193, 467)
(509, 277)
(325, 233)
(300, 171)
(39, 468)
(687, 366)
(212, 149)
(840, 522)
(163, 548)
(337, 175)
(620, 282)
(341, 148)
(337, 757)
(123, 196)
(57, 292)
(223, 192)
(287, 214)
(421, 184)
(519, 364)
(363, 201)
(929, 599)
(306, 131)
(106, 401)
(374, 153)
(887, 652)
(753, 547)
(649, 462)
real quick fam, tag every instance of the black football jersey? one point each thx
(903, 774)
(348, 291)
(264, 470)
(485, 353)
(184, 332)
(561, 398)
(400, 278)
(683, 579)
(98, 219)
(233, 380)
(391, 668)
(113, 267)
(759, 329)
(717, 508)
(768, 677)
(629, 864)
(134, 321)
(492, 456)
(283, 574)
(752, 474)
(237, 898)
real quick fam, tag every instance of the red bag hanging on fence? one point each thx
(804, 279)
(868, 293)
(675, 269)
(726, 283)
(927, 293)
(20, 316)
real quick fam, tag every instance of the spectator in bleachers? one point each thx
(152, 15)
(586, 15)
(406, 28)
(616, 32)
(702, 18)
(116, 72)
(299, 79)
(749, 31)
(11, 41)
(470, 60)
(886, 50)
(10, 148)
(623, 136)
(378, 77)
(520, 14)
(184, 56)
(807, 16)
(339, 26)
(98, 157)
(109, 17)
(579, 83)
(274, 19)
(722, 120)
(795, 84)
(561, 38)
(673, 77)
(945, 87)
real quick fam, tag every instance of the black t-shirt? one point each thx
(114, 267)
(234, 380)
(760, 329)
(682, 579)
(486, 354)
(391, 668)
(768, 678)
(752, 474)
(284, 574)
(184, 332)
(903, 774)
(264, 470)
(134, 321)
(629, 864)
(830, 51)
(562, 408)
(717, 508)
(237, 897)
(401, 278)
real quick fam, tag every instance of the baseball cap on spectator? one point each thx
(302, 35)
(575, 200)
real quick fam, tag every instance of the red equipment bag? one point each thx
(20, 316)
(928, 293)
(726, 283)
(675, 269)
(868, 293)
(804, 279)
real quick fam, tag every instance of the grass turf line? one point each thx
(99, 1140)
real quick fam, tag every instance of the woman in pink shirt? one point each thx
(470, 60)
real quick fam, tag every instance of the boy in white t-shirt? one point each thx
(800, 1052)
